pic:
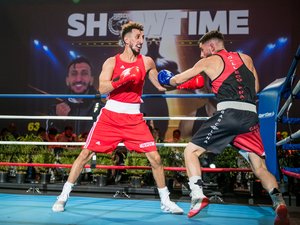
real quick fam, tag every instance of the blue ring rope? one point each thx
(290, 120)
(291, 147)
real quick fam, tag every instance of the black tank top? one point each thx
(236, 82)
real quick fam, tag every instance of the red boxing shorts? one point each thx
(113, 127)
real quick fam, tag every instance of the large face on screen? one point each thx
(79, 78)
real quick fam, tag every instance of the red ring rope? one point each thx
(291, 174)
(208, 170)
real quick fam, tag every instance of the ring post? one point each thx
(269, 100)
(267, 112)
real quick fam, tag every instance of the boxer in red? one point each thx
(235, 82)
(122, 78)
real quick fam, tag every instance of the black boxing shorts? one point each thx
(230, 126)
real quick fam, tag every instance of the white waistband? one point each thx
(236, 105)
(122, 107)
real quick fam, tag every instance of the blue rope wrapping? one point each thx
(290, 120)
(286, 95)
(291, 147)
(104, 96)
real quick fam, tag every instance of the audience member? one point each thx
(176, 137)
(42, 133)
(68, 135)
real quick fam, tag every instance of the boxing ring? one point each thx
(18, 209)
(36, 209)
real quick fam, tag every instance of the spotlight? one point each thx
(271, 46)
(282, 40)
(45, 47)
(72, 54)
(36, 42)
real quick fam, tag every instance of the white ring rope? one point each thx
(295, 91)
(289, 138)
(79, 143)
(47, 117)
(90, 118)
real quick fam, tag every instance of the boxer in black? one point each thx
(235, 83)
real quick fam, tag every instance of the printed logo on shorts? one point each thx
(147, 144)
(254, 128)
(214, 127)
(98, 143)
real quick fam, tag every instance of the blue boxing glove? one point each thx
(164, 77)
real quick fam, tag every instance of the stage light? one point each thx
(272, 49)
(72, 54)
(45, 47)
(50, 54)
(271, 46)
(282, 40)
(36, 42)
(269, 49)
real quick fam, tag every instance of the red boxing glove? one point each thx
(193, 83)
(132, 74)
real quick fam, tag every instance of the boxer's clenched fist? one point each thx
(132, 74)
(164, 77)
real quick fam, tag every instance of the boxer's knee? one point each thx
(193, 150)
(154, 159)
(85, 155)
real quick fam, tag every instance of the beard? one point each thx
(83, 91)
(134, 51)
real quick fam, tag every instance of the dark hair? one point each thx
(53, 131)
(214, 34)
(177, 131)
(128, 27)
(77, 60)
(40, 130)
(68, 128)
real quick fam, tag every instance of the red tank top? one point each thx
(128, 93)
